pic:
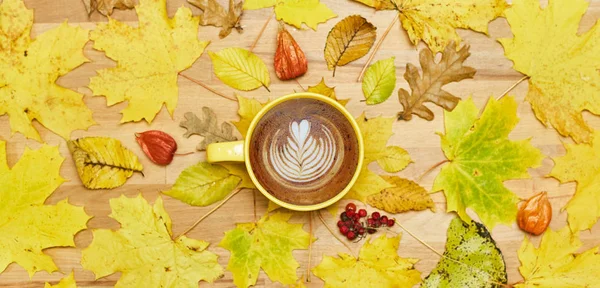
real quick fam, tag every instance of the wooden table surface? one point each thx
(494, 75)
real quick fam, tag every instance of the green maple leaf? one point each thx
(267, 244)
(481, 157)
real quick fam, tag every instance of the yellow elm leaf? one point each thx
(582, 165)
(268, 244)
(325, 90)
(368, 183)
(393, 159)
(379, 81)
(348, 40)
(310, 12)
(67, 282)
(102, 162)
(27, 226)
(240, 69)
(144, 250)
(564, 75)
(378, 265)
(555, 264)
(149, 58)
(435, 21)
(29, 69)
(248, 108)
(378, 4)
(405, 196)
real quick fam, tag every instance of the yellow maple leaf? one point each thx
(325, 90)
(376, 132)
(240, 69)
(378, 265)
(581, 164)
(564, 74)
(145, 253)
(148, 57)
(27, 226)
(435, 21)
(295, 12)
(248, 108)
(29, 69)
(67, 282)
(555, 264)
(367, 184)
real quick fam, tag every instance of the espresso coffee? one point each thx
(304, 151)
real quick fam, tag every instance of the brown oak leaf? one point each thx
(207, 127)
(105, 7)
(215, 15)
(428, 88)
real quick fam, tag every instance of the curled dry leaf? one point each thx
(290, 61)
(105, 7)
(102, 162)
(535, 214)
(207, 127)
(159, 146)
(348, 40)
(215, 15)
(435, 75)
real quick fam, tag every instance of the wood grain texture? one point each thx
(494, 75)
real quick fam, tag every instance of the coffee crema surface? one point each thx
(304, 151)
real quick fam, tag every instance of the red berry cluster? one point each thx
(351, 226)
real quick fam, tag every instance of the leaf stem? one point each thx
(431, 169)
(184, 154)
(513, 86)
(385, 33)
(298, 82)
(419, 239)
(334, 235)
(262, 30)
(208, 88)
(310, 225)
(235, 192)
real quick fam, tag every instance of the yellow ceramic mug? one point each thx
(239, 151)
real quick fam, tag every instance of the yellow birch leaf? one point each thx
(367, 184)
(149, 58)
(562, 65)
(29, 69)
(203, 184)
(27, 226)
(435, 21)
(582, 165)
(555, 262)
(102, 162)
(378, 265)
(248, 108)
(240, 69)
(268, 244)
(379, 81)
(67, 282)
(378, 4)
(325, 90)
(144, 250)
(348, 40)
(295, 12)
(393, 159)
(404, 196)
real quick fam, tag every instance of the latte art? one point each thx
(303, 158)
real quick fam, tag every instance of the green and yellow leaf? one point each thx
(367, 184)
(379, 81)
(240, 69)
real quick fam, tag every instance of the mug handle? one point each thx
(225, 152)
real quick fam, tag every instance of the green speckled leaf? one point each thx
(481, 262)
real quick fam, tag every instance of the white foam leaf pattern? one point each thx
(303, 158)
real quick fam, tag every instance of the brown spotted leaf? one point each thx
(405, 196)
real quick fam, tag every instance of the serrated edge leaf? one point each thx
(349, 40)
(379, 81)
(240, 69)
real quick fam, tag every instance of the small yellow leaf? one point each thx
(378, 4)
(555, 262)
(379, 81)
(393, 159)
(348, 40)
(325, 90)
(67, 282)
(435, 21)
(378, 265)
(240, 69)
(144, 250)
(368, 183)
(102, 162)
(296, 12)
(405, 196)
(248, 108)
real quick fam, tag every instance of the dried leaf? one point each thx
(149, 59)
(102, 162)
(378, 4)
(29, 70)
(240, 69)
(105, 7)
(215, 15)
(144, 250)
(159, 146)
(379, 81)
(248, 109)
(325, 90)
(203, 184)
(348, 40)
(207, 127)
(435, 21)
(295, 12)
(405, 196)
(435, 75)
(290, 61)
(66, 282)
